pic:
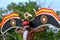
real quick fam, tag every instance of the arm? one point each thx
(38, 29)
(17, 30)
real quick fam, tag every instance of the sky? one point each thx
(54, 3)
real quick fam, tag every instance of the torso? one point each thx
(27, 35)
(30, 36)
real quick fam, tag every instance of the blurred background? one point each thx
(22, 6)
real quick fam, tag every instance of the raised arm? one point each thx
(19, 31)
(38, 30)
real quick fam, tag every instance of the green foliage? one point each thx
(22, 8)
(58, 12)
(0, 19)
(50, 35)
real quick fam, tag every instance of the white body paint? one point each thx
(25, 35)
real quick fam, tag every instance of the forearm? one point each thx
(38, 29)
(19, 31)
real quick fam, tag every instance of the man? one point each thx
(27, 33)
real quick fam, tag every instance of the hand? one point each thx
(19, 31)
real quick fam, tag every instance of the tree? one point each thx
(1, 11)
(58, 12)
(22, 8)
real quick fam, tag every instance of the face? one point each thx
(26, 27)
